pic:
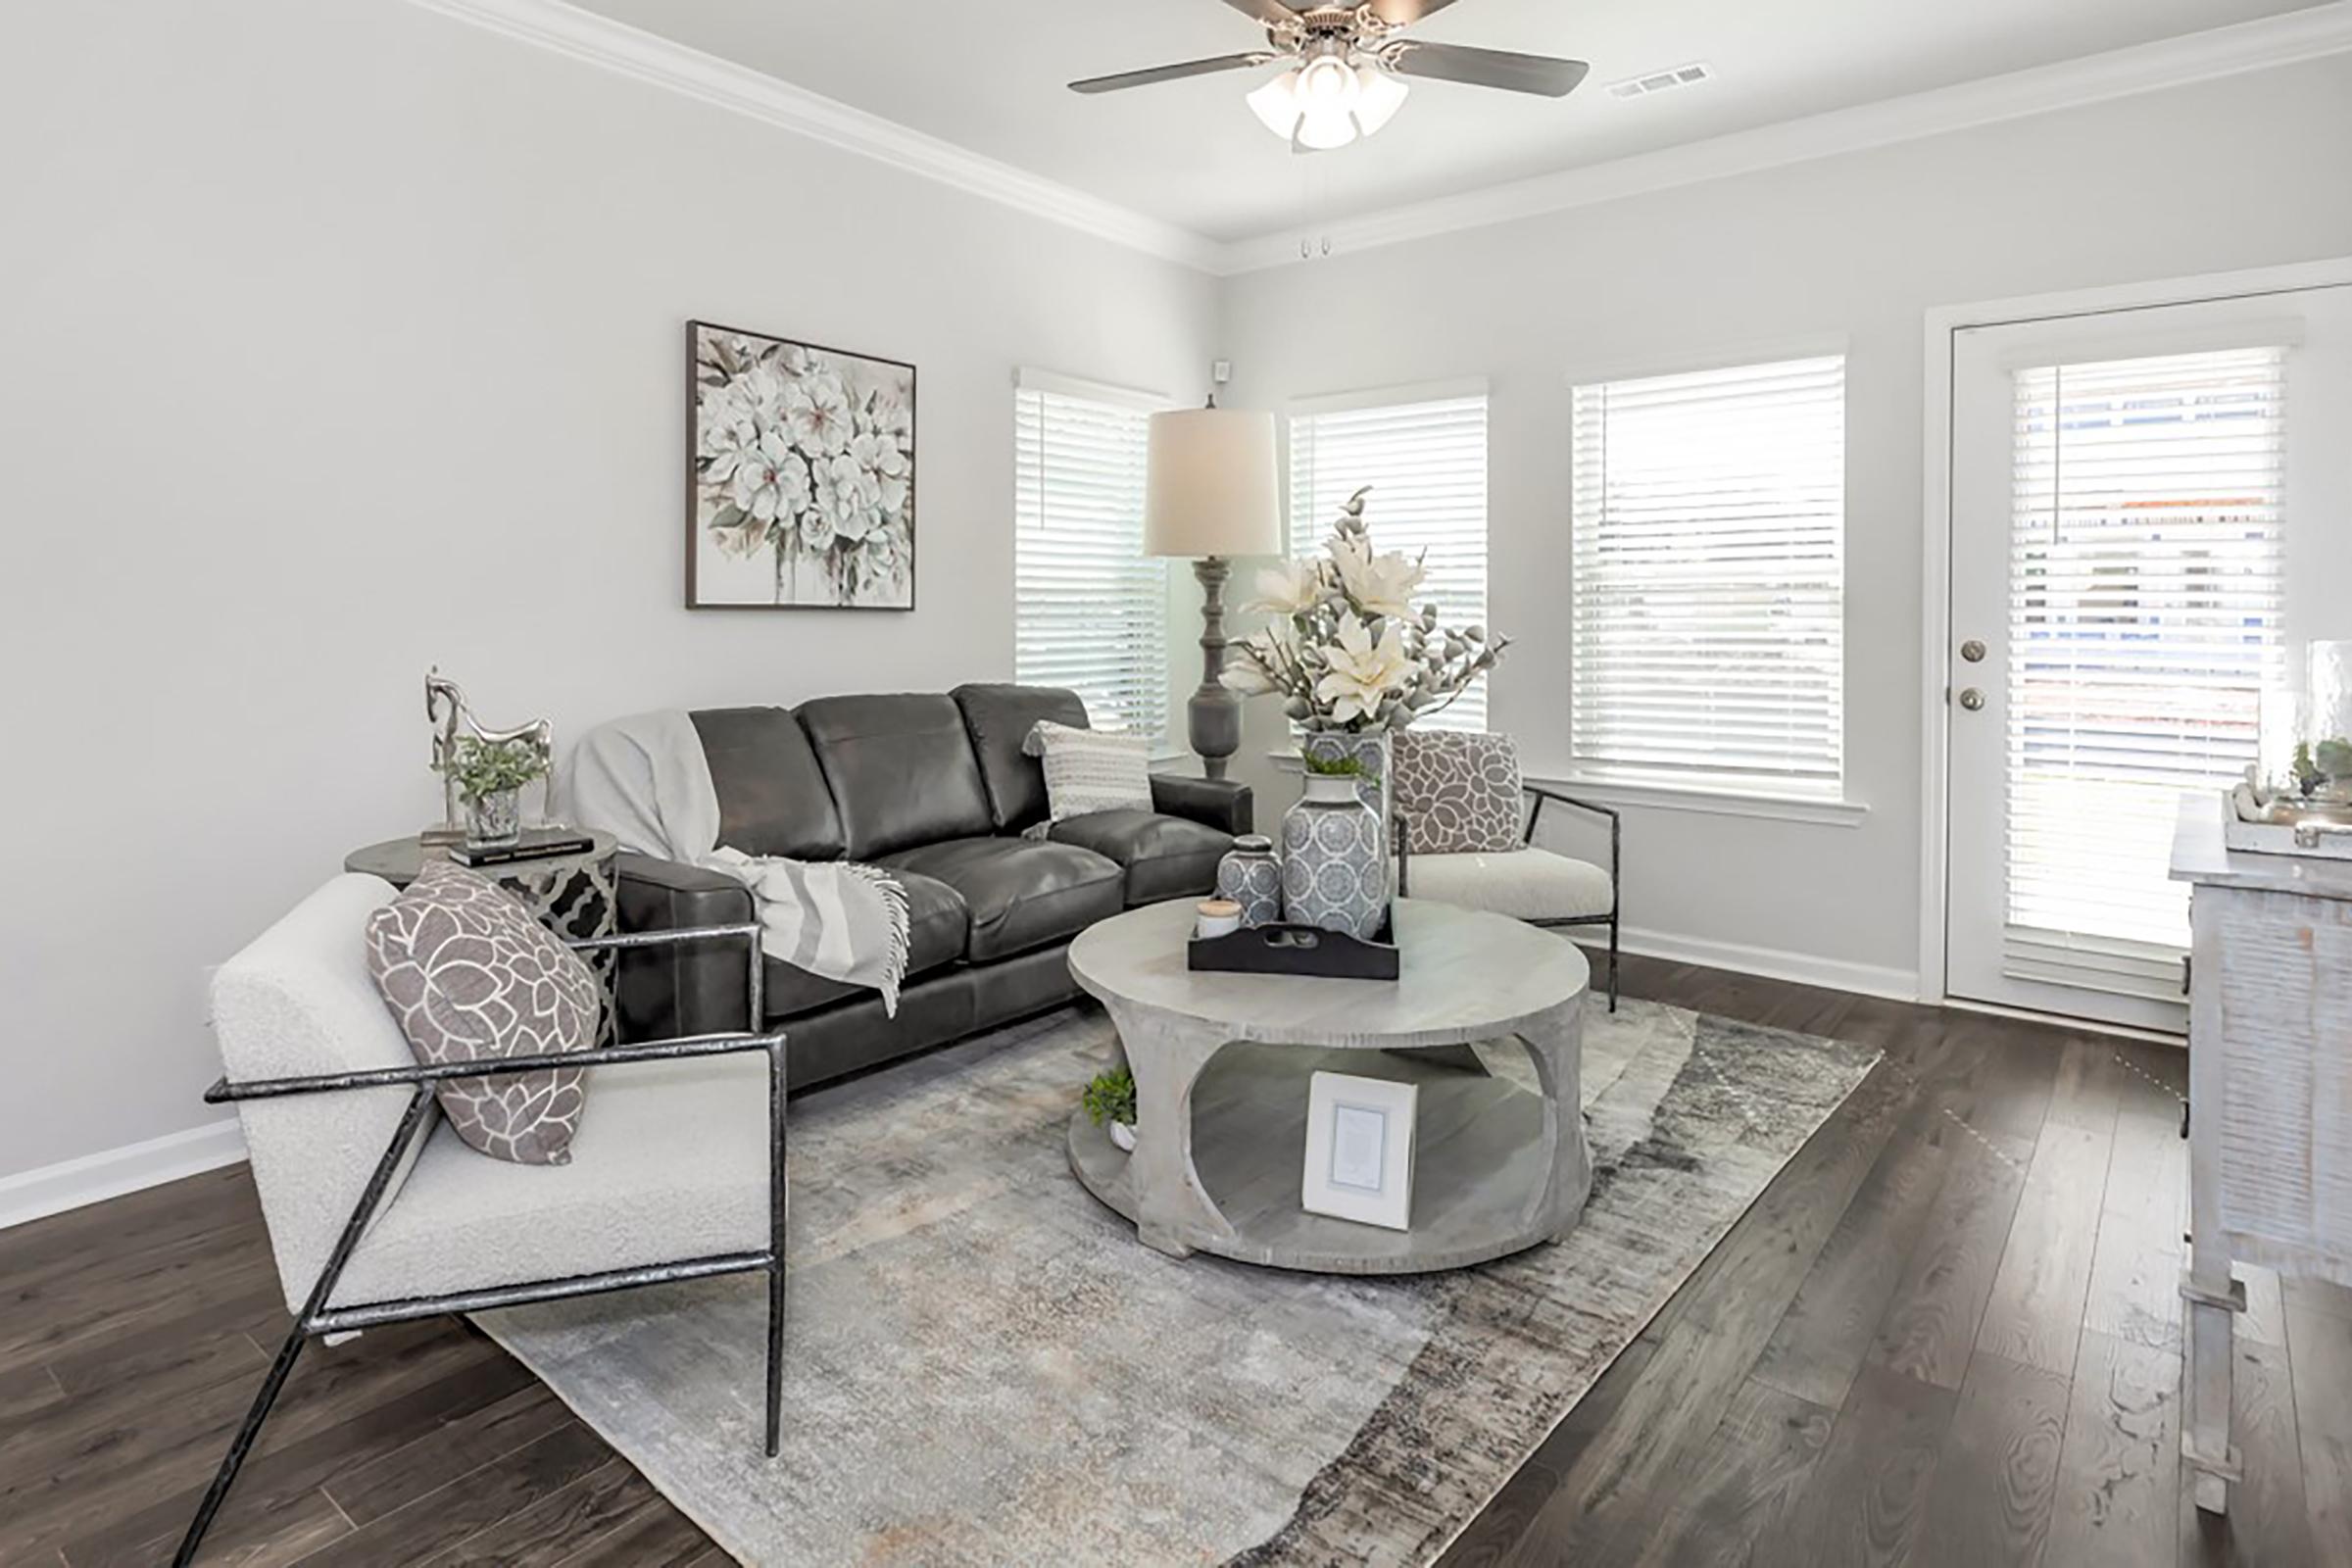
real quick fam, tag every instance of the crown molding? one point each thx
(2176, 61)
(627, 51)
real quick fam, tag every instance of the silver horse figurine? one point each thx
(445, 706)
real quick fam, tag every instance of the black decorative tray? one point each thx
(1279, 948)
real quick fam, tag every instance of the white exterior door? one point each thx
(2151, 513)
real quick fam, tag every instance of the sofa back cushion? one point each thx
(999, 718)
(773, 795)
(295, 1001)
(900, 769)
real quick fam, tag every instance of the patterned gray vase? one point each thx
(1334, 874)
(1252, 878)
(1375, 784)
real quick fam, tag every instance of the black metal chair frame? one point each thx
(1543, 793)
(1527, 837)
(317, 1318)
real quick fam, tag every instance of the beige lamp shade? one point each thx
(1211, 489)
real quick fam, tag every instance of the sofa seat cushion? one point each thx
(1526, 883)
(670, 1163)
(936, 929)
(1164, 856)
(1021, 893)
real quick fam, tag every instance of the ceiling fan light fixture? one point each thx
(1378, 95)
(1276, 103)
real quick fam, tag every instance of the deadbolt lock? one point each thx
(1973, 651)
(1972, 699)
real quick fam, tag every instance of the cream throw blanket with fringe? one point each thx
(646, 781)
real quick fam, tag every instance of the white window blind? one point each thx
(1093, 609)
(2144, 622)
(1709, 541)
(1426, 462)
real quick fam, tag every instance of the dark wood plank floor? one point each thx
(1946, 1334)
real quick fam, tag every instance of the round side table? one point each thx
(571, 895)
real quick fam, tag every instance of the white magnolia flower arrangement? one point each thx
(796, 462)
(1346, 651)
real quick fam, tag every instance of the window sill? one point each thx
(1725, 800)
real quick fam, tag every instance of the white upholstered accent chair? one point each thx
(1463, 794)
(378, 1212)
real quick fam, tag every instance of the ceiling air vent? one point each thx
(1690, 75)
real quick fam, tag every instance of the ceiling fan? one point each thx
(1346, 61)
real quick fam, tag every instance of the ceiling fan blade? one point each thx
(1190, 68)
(1490, 68)
(1271, 11)
(1401, 12)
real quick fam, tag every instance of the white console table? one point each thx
(2270, 1089)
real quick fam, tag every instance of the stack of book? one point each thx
(535, 844)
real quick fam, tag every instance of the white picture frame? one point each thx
(1359, 1150)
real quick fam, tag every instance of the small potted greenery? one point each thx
(1321, 767)
(490, 776)
(1112, 1097)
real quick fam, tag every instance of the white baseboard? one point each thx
(1804, 969)
(110, 1173)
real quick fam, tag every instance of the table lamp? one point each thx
(1212, 497)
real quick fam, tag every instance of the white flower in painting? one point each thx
(729, 440)
(771, 482)
(1289, 588)
(1380, 585)
(1359, 670)
(881, 457)
(849, 495)
(816, 413)
(878, 557)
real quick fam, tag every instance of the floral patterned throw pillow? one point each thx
(1458, 794)
(470, 976)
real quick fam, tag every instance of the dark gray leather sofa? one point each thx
(935, 788)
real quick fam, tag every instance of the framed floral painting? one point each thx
(800, 485)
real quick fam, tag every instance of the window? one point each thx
(1425, 462)
(2146, 588)
(1092, 608)
(1707, 618)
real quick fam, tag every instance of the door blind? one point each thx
(1426, 462)
(1709, 545)
(1092, 608)
(2144, 624)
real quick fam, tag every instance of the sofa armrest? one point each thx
(1217, 803)
(678, 991)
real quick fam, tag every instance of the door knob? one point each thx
(1972, 699)
(1973, 651)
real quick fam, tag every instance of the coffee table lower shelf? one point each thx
(1483, 1163)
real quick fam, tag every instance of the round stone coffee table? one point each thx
(1221, 1064)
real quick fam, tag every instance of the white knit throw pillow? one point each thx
(1088, 771)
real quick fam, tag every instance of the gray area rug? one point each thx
(985, 1366)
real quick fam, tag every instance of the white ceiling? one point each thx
(989, 76)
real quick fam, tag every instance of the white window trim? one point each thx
(1729, 797)
(1167, 745)
(1383, 397)
(1730, 800)
(1028, 378)
(1721, 356)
